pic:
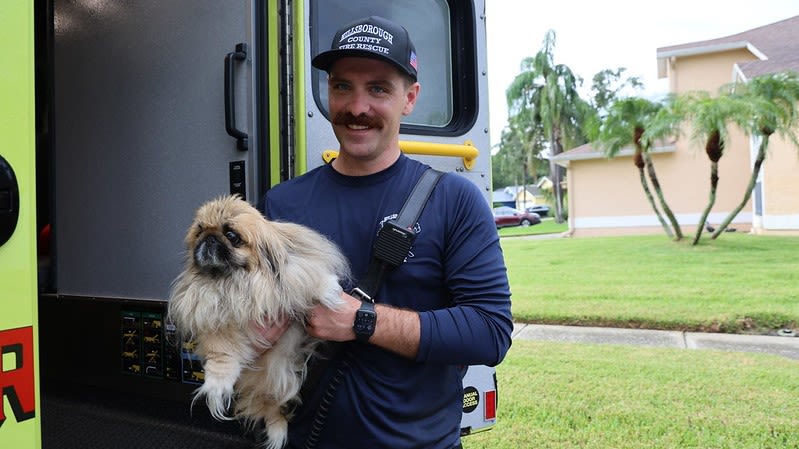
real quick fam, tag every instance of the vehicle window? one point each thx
(428, 22)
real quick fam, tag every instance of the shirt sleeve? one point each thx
(476, 329)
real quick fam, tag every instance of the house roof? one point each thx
(509, 193)
(588, 151)
(503, 195)
(775, 45)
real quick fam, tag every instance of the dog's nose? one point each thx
(211, 253)
(211, 242)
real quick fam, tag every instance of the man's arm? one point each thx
(396, 330)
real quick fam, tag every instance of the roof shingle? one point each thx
(776, 45)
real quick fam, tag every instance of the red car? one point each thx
(508, 216)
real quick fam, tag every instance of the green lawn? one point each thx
(547, 226)
(737, 283)
(563, 396)
(592, 396)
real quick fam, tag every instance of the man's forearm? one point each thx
(397, 330)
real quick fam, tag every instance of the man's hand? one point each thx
(334, 325)
(397, 330)
(268, 334)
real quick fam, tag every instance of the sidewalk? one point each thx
(777, 345)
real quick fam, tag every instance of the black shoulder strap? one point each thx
(415, 203)
(370, 284)
(396, 237)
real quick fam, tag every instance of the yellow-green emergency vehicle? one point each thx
(118, 118)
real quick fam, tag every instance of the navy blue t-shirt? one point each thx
(454, 276)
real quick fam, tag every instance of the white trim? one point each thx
(781, 222)
(737, 72)
(757, 222)
(695, 51)
(635, 221)
(713, 48)
(755, 51)
(763, 219)
(563, 159)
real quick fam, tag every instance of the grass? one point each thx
(737, 283)
(558, 395)
(547, 226)
(592, 396)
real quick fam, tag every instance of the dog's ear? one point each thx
(270, 246)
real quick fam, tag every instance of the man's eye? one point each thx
(233, 238)
(379, 90)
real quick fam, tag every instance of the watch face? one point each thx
(365, 319)
(364, 325)
(364, 322)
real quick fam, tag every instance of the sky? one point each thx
(595, 35)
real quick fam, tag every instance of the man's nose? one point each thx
(359, 103)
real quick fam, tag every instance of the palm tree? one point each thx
(709, 118)
(665, 124)
(548, 92)
(625, 123)
(774, 99)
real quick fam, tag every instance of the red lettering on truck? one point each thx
(17, 382)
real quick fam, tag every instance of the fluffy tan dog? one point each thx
(242, 269)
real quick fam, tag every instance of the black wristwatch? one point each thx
(365, 319)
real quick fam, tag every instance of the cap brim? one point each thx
(325, 60)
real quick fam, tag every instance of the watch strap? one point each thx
(365, 320)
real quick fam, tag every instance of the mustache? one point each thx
(345, 118)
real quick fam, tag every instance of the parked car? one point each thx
(508, 216)
(541, 209)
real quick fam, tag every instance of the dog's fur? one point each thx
(244, 270)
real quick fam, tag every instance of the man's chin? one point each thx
(357, 142)
(359, 151)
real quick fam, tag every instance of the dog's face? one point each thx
(240, 266)
(225, 236)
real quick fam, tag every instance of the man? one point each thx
(398, 381)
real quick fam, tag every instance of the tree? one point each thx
(709, 117)
(774, 98)
(511, 155)
(518, 160)
(665, 124)
(547, 93)
(609, 85)
(625, 123)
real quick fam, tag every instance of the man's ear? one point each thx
(410, 98)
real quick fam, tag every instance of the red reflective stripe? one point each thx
(490, 405)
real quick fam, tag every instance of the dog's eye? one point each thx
(234, 238)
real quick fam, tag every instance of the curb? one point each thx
(776, 345)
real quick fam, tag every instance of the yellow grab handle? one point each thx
(467, 151)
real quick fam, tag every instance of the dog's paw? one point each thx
(276, 433)
(218, 398)
(330, 294)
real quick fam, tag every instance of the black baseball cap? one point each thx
(372, 37)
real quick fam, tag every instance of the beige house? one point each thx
(606, 197)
